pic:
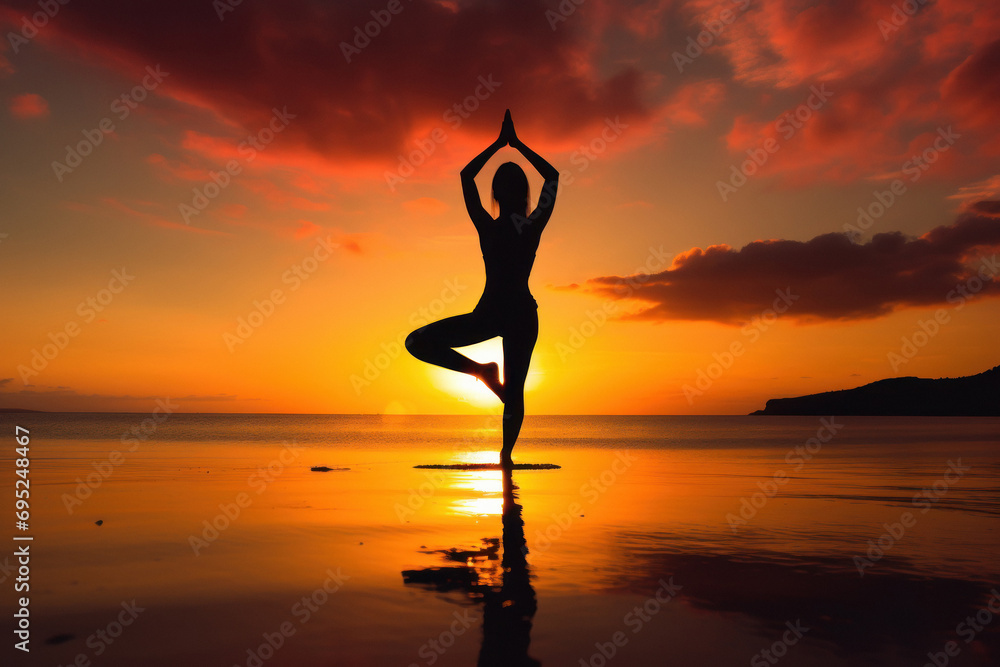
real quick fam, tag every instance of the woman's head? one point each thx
(510, 188)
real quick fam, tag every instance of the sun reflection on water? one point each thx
(483, 491)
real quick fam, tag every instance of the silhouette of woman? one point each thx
(506, 307)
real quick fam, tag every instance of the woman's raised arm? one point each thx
(540, 216)
(473, 204)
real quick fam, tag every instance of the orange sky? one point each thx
(249, 169)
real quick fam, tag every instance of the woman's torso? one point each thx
(508, 255)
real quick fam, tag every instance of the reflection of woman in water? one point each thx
(509, 605)
(506, 308)
(508, 612)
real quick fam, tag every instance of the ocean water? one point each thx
(660, 540)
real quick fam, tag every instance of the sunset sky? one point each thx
(245, 207)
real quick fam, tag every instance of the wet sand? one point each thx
(226, 553)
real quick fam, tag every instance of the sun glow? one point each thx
(480, 456)
(463, 387)
(471, 390)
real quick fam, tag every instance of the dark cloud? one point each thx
(607, 58)
(987, 207)
(974, 87)
(828, 277)
(430, 56)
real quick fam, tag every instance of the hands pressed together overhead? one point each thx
(507, 134)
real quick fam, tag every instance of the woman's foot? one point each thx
(505, 458)
(490, 375)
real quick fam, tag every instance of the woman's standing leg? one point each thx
(518, 344)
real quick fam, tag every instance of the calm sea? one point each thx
(660, 540)
(656, 432)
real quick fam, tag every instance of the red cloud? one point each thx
(895, 75)
(974, 87)
(433, 64)
(29, 105)
(306, 229)
(828, 277)
(360, 101)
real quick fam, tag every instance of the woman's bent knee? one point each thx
(414, 342)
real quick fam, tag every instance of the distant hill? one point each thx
(976, 395)
(13, 410)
